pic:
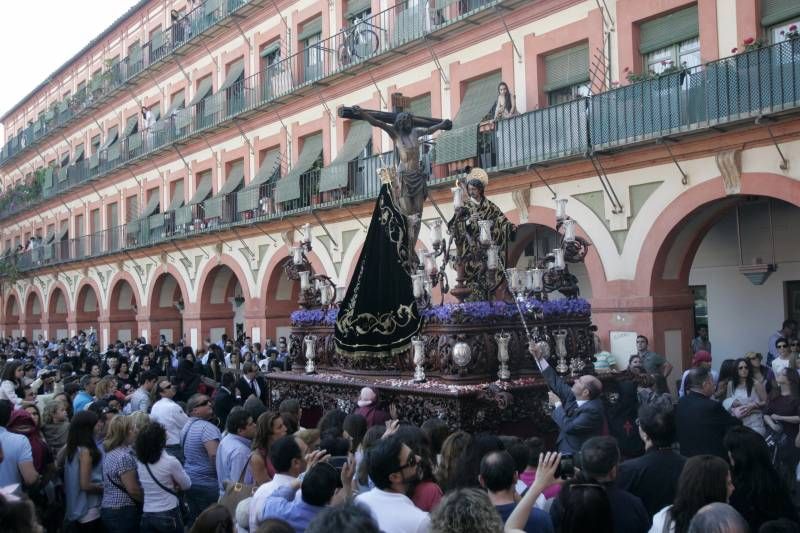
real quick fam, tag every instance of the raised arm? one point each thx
(366, 115)
(446, 124)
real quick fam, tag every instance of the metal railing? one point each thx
(211, 215)
(759, 82)
(101, 87)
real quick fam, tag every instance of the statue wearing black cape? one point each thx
(379, 316)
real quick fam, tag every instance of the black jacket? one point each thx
(245, 390)
(652, 477)
(627, 511)
(575, 424)
(224, 401)
(702, 424)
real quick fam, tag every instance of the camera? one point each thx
(566, 468)
(338, 461)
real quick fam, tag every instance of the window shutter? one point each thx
(567, 67)
(203, 188)
(356, 6)
(235, 178)
(667, 30)
(420, 106)
(312, 27)
(157, 40)
(270, 48)
(334, 176)
(177, 197)
(775, 11)
(288, 187)
(203, 88)
(235, 71)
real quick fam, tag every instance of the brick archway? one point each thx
(87, 309)
(58, 307)
(122, 312)
(166, 302)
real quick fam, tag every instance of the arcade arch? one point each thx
(57, 314)
(222, 304)
(122, 310)
(87, 308)
(166, 306)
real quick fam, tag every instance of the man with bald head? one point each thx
(578, 409)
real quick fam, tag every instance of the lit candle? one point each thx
(561, 209)
(569, 230)
(436, 230)
(457, 197)
(485, 232)
(324, 294)
(340, 292)
(528, 280)
(430, 264)
(420, 257)
(536, 279)
(418, 285)
(305, 282)
(297, 255)
(492, 257)
(307, 233)
(512, 277)
(558, 255)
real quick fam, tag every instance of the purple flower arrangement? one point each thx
(314, 317)
(487, 311)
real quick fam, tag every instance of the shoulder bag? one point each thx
(236, 492)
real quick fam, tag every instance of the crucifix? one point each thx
(410, 179)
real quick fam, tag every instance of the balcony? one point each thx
(342, 54)
(725, 92)
(207, 19)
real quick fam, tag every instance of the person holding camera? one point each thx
(591, 497)
(578, 409)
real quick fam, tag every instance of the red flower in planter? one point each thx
(793, 27)
(734, 50)
(749, 40)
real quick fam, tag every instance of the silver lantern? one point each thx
(418, 345)
(503, 339)
(311, 353)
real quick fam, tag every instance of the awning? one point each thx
(157, 39)
(177, 197)
(213, 103)
(135, 141)
(270, 48)
(112, 152)
(288, 187)
(155, 221)
(668, 30)
(334, 176)
(51, 235)
(203, 189)
(48, 178)
(183, 215)
(94, 160)
(462, 141)
(355, 7)
(420, 106)
(62, 233)
(310, 28)
(177, 101)
(248, 198)
(210, 6)
(152, 205)
(111, 138)
(235, 179)
(235, 71)
(78, 156)
(64, 159)
(203, 90)
(131, 126)
(134, 54)
(566, 68)
(776, 11)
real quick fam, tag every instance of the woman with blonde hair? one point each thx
(139, 419)
(55, 425)
(107, 386)
(466, 511)
(122, 492)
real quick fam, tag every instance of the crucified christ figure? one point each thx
(411, 176)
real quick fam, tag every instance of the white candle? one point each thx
(340, 292)
(305, 282)
(297, 255)
(306, 233)
(536, 279)
(512, 277)
(558, 255)
(418, 285)
(436, 230)
(457, 197)
(569, 230)
(561, 209)
(492, 257)
(430, 264)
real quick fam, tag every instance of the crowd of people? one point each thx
(160, 438)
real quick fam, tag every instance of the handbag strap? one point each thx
(120, 487)
(165, 489)
(241, 476)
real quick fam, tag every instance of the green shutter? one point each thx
(235, 71)
(94, 160)
(203, 189)
(356, 6)
(566, 68)
(288, 187)
(775, 11)
(177, 197)
(48, 178)
(270, 48)
(247, 198)
(313, 27)
(213, 104)
(211, 6)
(203, 88)
(134, 141)
(157, 40)
(131, 125)
(462, 141)
(212, 208)
(134, 54)
(235, 179)
(78, 154)
(152, 205)
(420, 106)
(177, 101)
(334, 176)
(667, 30)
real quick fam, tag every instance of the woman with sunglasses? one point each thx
(200, 439)
(745, 398)
(761, 373)
(170, 415)
(784, 358)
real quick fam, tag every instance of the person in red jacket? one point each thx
(368, 408)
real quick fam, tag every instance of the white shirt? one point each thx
(260, 497)
(7, 392)
(395, 513)
(170, 415)
(169, 472)
(658, 521)
(778, 364)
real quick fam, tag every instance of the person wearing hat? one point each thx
(369, 409)
(701, 358)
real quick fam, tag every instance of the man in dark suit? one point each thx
(225, 399)
(653, 477)
(701, 421)
(251, 384)
(578, 410)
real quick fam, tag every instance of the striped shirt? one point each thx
(117, 462)
(198, 464)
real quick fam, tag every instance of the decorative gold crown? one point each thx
(478, 174)
(387, 175)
